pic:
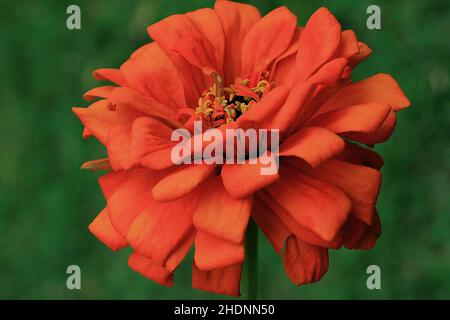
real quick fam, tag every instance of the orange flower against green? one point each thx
(230, 68)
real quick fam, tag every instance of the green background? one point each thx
(46, 202)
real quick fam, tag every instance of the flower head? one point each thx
(230, 68)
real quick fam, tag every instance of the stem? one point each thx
(251, 252)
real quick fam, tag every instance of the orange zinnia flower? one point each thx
(231, 68)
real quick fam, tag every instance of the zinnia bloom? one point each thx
(231, 68)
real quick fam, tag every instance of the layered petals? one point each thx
(102, 228)
(267, 40)
(222, 281)
(236, 19)
(232, 70)
(242, 180)
(215, 253)
(304, 263)
(319, 42)
(150, 270)
(315, 145)
(314, 204)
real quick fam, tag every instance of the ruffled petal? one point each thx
(180, 251)
(319, 42)
(161, 227)
(152, 73)
(359, 118)
(356, 154)
(314, 204)
(267, 40)
(207, 22)
(179, 34)
(237, 19)
(219, 214)
(349, 45)
(272, 227)
(222, 281)
(300, 231)
(147, 137)
(130, 198)
(304, 263)
(98, 119)
(182, 182)
(380, 88)
(380, 135)
(99, 92)
(102, 228)
(360, 183)
(315, 145)
(363, 54)
(215, 253)
(129, 99)
(284, 65)
(113, 75)
(150, 270)
(242, 180)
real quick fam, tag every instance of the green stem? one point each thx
(251, 253)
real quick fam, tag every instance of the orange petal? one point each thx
(222, 281)
(363, 54)
(360, 183)
(267, 40)
(118, 147)
(150, 270)
(356, 154)
(99, 92)
(180, 252)
(272, 227)
(157, 160)
(94, 165)
(113, 75)
(131, 197)
(215, 253)
(264, 110)
(284, 65)
(102, 228)
(287, 115)
(182, 182)
(178, 33)
(98, 119)
(109, 183)
(304, 263)
(302, 232)
(207, 22)
(132, 101)
(221, 215)
(349, 45)
(355, 232)
(381, 88)
(359, 118)
(381, 135)
(319, 42)
(314, 204)
(147, 136)
(315, 145)
(152, 73)
(161, 227)
(242, 180)
(237, 19)
(330, 73)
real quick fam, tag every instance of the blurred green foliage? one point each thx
(47, 202)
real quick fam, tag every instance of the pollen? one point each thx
(220, 105)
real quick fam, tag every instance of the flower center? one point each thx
(220, 105)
